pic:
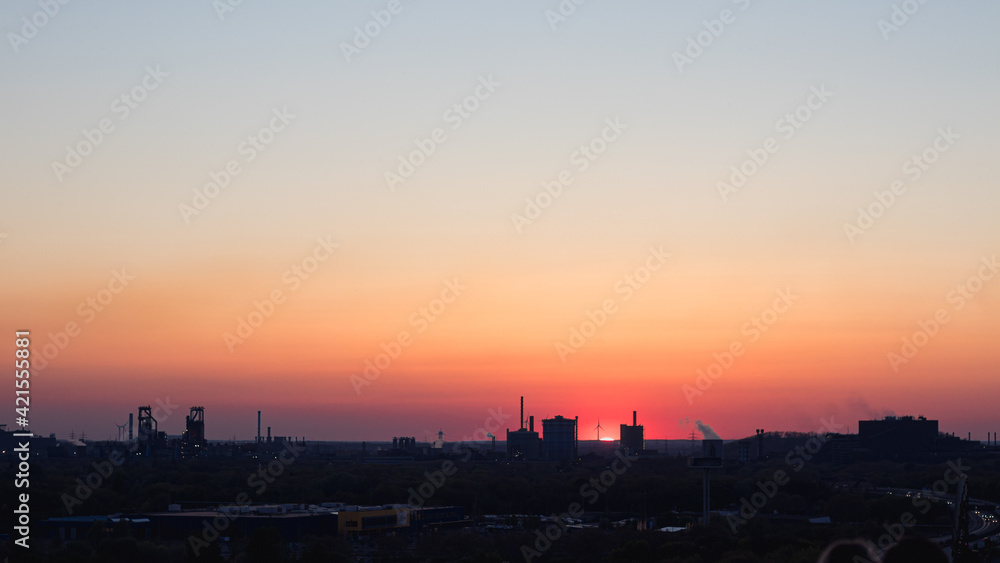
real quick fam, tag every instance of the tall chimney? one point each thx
(531, 420)
(633, 419)
(130, 426)
(269, 434)
(258, 426)
(522, 412)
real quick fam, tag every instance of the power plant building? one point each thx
(559, 438)
(193, 439)
(631, 437)
(523, 444)
(897, 437)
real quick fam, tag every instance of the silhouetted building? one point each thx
(524, 444)
(193, 439)
(149, 438)
(744, 450)
(559, 438)
(841, 448)
(898, 437)
(405, 445)
(631, 437)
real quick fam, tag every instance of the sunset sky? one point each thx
(309, 114)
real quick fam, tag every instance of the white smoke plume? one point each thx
(706, 431)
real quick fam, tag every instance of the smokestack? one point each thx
(130, 426)
(531, 422)
(269, 434)
(522, 412)
(633, 419)
(258, 426)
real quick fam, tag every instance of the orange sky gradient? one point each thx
(653, 189)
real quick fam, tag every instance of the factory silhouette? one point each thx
(891, 438)
(897, 438)
(560, 439)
